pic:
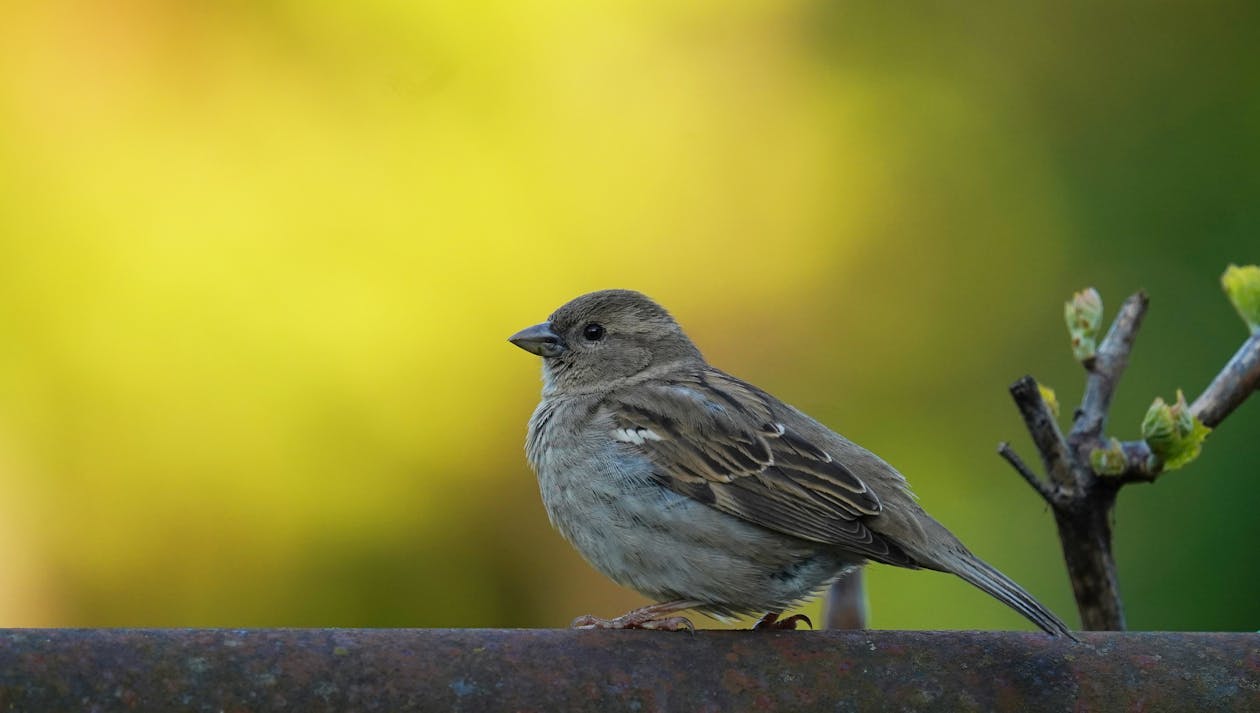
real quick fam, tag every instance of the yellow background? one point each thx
(258, 262)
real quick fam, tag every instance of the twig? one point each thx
(1045, 432)
(1238, 380)
(1104, 373)
(1084, 501)
(1009, 454)
(846, 602)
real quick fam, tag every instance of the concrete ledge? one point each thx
(557, 670)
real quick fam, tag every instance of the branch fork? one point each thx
(1082, 498)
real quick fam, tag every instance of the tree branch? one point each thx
(1104, 373)
(1141, 464)
(1043, 489)
(1045, 432)
(1085, 535)
(1238, 380)
(846, 602)
(1083, 500)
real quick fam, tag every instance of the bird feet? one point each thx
(656, 617)
(771, 622)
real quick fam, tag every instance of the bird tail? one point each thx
(1002, 588)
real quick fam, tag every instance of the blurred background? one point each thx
(258, 263)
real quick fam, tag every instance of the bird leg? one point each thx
(772, 621)
(654, 616)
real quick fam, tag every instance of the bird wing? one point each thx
(725, 443)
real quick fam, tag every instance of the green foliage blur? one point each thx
(258, 262)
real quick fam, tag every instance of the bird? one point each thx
(705, 493)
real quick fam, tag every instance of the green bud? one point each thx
(1047, 395)
(1083, 315)
(1242, 285)
(1157, 425)
(1174, 435)
(1110, 460)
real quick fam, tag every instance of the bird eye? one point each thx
(593, 332)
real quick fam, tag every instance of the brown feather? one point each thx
(723, 444)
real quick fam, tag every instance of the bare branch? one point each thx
(1237, 381)
(1045, 432)
(1043, 489)
(1085, 534)
(1105, 371)
(1083, 500)
(846, 603)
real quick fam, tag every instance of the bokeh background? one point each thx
(258, 262)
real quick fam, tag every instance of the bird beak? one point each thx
(539, 339)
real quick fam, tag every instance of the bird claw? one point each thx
(772, 622)
(672, 623)
(634, 620)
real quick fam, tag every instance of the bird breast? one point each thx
(601, 494)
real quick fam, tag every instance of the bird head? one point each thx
(600, 339)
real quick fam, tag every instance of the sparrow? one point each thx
(701, 491)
